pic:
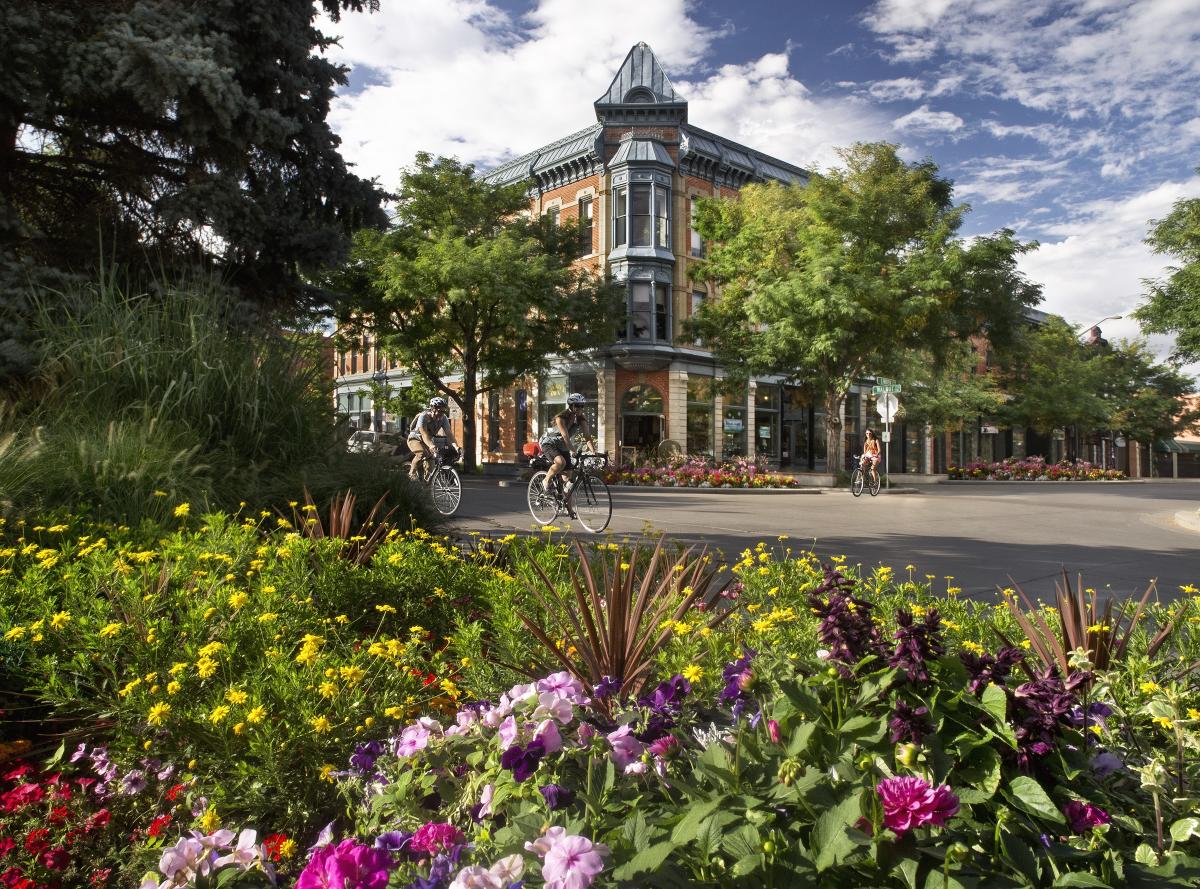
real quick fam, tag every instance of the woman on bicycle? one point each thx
(870, 456)
(556, 443)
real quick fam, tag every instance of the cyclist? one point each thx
(426, 425)
(556, 443)
(870, 456)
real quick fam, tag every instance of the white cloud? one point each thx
(927, 123)
(1094, 264)
(894, 90)
(462, 78)
(1008, 179)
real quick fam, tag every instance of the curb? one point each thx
(893, 490)
(517, 483)
(1042, 481)
(1189, 519)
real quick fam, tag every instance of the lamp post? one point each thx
(1097, 342)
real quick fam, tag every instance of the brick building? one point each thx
(631, 177)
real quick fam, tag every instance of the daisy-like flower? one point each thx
(909, 802)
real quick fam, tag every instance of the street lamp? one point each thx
(1089, 327)
(1099, 341)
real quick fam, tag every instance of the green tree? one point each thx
(195, 132)
(1059, 383)
(839, 279)
(1174, 304)
(1146, 396)
(944, 393)
(466, 282)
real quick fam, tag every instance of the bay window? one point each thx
(642, 216)
(649, 312)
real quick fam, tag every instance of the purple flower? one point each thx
(439, 872)
(668, 694)
(1038, 710)
(739, 679)
(434, 837)
(910, 802)
(608, 687)
(773, 730)
(573, 862)
(556, 796)
(364, 756)
(625, 747)
(847, 629)
(348, 865)
(393, 840)
(1106, 763)
(523, 761)
(909, 724)
(665, 747)
(133, 783)
(917, 644)
(1084, 816)
(985, 669)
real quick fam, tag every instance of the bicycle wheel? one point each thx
(592, 503)
(543, 505)
(446, 489)
(856, 482)
(873, 485)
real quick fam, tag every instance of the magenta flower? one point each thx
(573, 862)
(910, 802)
(1084, 816)
(348, 865)
(434, 837)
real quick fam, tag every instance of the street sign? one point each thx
(886, 436)
(885, 389)
(886, 407)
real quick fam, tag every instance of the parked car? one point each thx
(366, 441)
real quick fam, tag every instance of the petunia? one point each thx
(573, 862)
(625, 747)
(556, 796)
(348, 864)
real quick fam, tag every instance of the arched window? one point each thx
(639, 95)
(642, 399)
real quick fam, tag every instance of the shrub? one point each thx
(1034, 469)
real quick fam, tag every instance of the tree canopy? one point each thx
(1174, 304)
(467, 283)
(944, 393)
(189, 132)
(841, 278)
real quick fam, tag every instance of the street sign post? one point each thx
(886, 389)
(886, 406)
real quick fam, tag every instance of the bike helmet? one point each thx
(437, 404)
(575, 400)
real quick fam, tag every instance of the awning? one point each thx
(1175, 446)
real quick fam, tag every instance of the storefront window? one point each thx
(700, 392)
(641, 418)
(733, 424)
(766, 421)
(554, 392)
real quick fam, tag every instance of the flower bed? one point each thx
(698, 472)
(1034, 469)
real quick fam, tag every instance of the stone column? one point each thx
(606, 411)
(751, 393)
(718, 425)
(677, 405)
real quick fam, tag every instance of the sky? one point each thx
(1073, 122)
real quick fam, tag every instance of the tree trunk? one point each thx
(469, 396)
(835, 459)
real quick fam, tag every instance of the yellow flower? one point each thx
(325, 772)
(182, 510)
(1163, 721)
(236, 696)
(160, 493)
(1149, 687)
(320, 725)
(238, 728)
(173, 687)
(129, 687)
(60, 620)
(386, 609)
(158, 713)
(178, 667)
(268, 589)
(692, 673)
(351, 675)
(327, 689)
(17, 632)
(237, 600)
(287, 848)
(218, 714)
(210, 649)
(110, 630)
(394, 712)
(1193, 713)
(205, 667)
(211, 820)
(973, 647)
(255, 716)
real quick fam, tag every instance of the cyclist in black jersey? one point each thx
(556, 443)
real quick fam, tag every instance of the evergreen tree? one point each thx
(190, 132)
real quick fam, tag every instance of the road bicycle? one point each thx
(860, 479)
(445, 487)
(584, 496)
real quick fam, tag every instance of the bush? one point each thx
(1034, 469)
(175, 392)
(700, 472)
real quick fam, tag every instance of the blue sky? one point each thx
(1073, 122)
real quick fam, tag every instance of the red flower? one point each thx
(100, 819)
(56, 858)
(13, 878)
(7, 844)
(272, 844)
(21, 796)
(158, 824)
(100, 877)
(429, 679)
(18, 772)
(59, 815)
(174, 792)
(36, 841)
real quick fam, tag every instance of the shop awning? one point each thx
(1174, 446)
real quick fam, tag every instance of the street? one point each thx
(1118, 536)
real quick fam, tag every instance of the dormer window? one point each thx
(639, 94)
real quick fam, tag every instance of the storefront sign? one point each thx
(989, 430)
(734, 424)
(764, 431)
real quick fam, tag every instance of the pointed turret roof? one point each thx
(641, 90)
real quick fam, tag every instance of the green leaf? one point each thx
(747, 865)
(937, 880)
(744, 842)
(995, 701)
(1019, 853)
(800, 738)
(867, 729)
(873, 687)
(1184, 829)
(1028, 796)
(647, 860)
(978, 778)
(689, 828)
(908, 868)
(831, 841)
(636, 832)
(1145, 854)
(1080, 879)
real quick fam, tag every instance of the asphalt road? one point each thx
(1120, 536)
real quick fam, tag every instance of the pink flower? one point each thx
(573, 862)
(625, 747)
(348, 865)
(773, 731)
(548, 733)
(434, 837)
(1084, 816)
(910, 802)
(415, 737)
